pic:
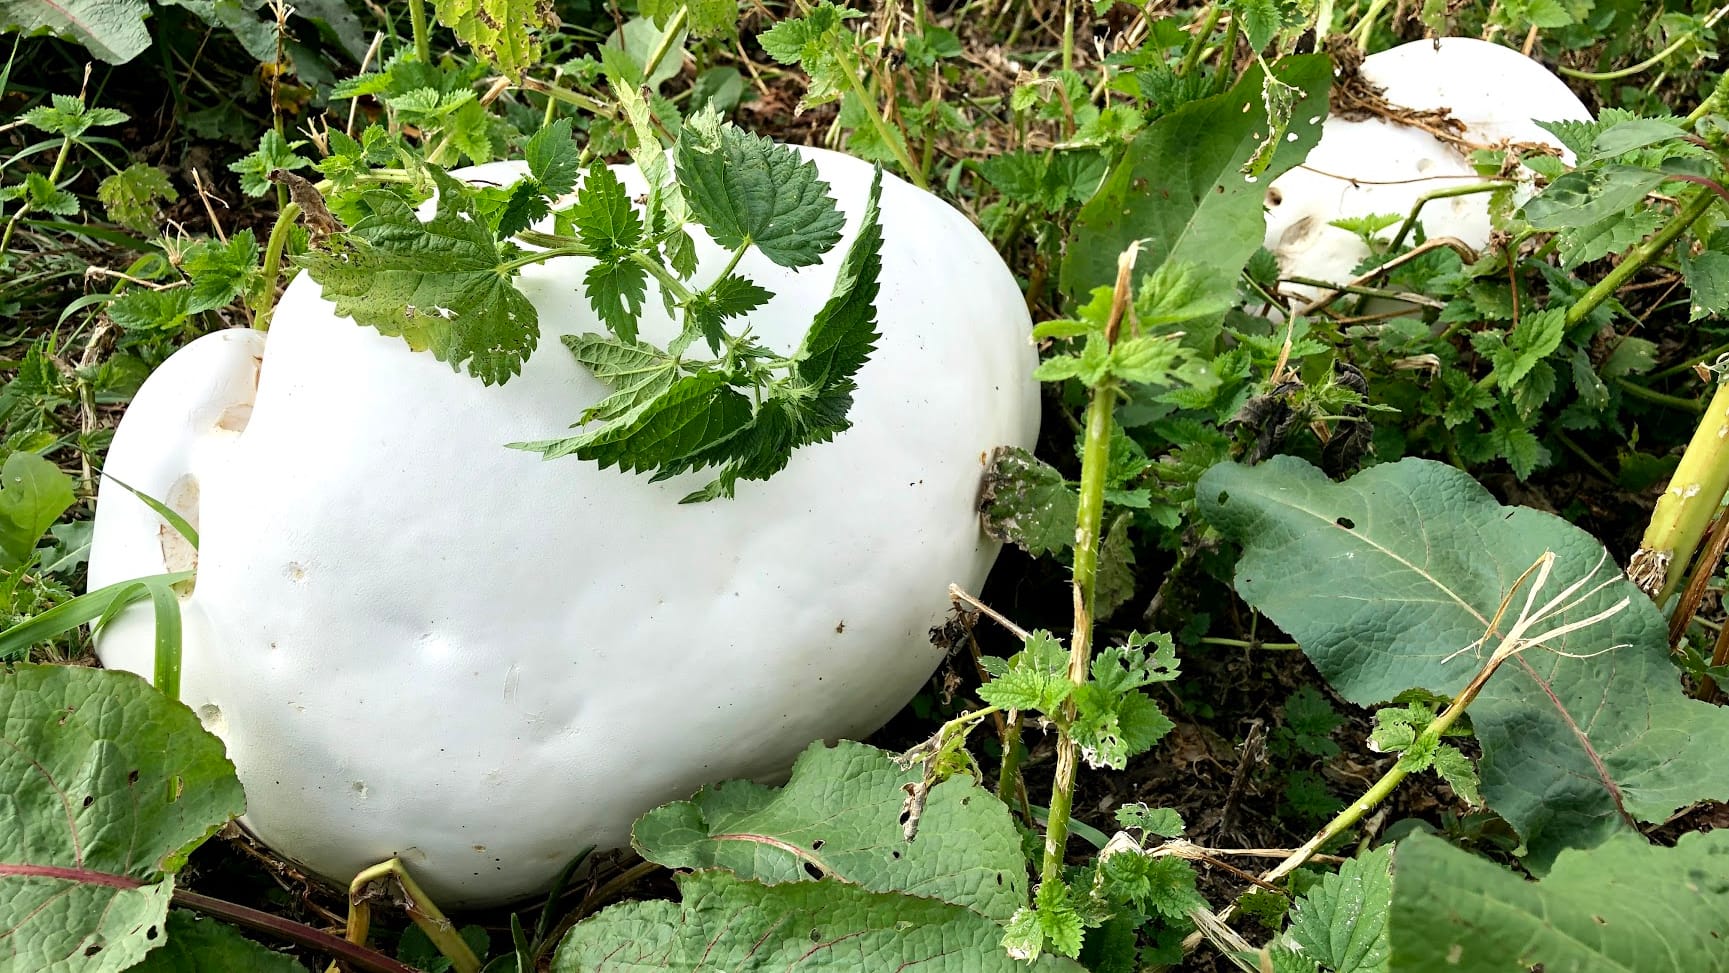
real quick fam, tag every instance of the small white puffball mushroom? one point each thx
(419, 643)
(1363, 168)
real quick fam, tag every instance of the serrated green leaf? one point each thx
(118, 784)
(843, 334)
(1451, 764)
(637, 373)
(140, 309)
(1623, 907)
(194, 944)
(803, 927)
(745, 188)
(33, 495)
(1028, 503)
(1626, 136)
(703, 18)
(840, 816)
(695, 412)
(1708, 279)
(730, 297)
(273, 152)
(40, 193)
(616, 292)
(1111, 727)
(1035, 679)
(1587, 196)
(439, 285)
(1342, 921)
(220, 271)
(1162, 821)
(1385, 577)
(68, 115)
(553, 158)
(504, 32)
(130, 196)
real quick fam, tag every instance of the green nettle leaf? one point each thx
(1205, 213)
(117, 784)
(1051, 922)
(113, 30)
(705, 18)
(694, 412)
(725, 923)
(1389, 581)
(273, 152)
(221, 271)
(843, 334)
(1028, 503)
(553, 158)
(1625, 906)
(33, 495)
(1035, 679)
(637, 373)
(1342, 921)
(1585, 197)
(1452, 766)
(1162, 821)
(68, 115)
(1708, 278)
(747, 189)
(193, 944)
(504, 32)
(607, 224)
(1111, 727)
(839, 816)
(441, 285)
(130, 196)
(730, 297)
(144, 310)
(44, 195)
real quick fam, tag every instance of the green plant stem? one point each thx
(273, 246)
(1248, 644)
(1630, 70)
(1639, 256)
(1366, 26)
(420, 908)
(1009, 788)
(1638, 391)
(1427, 198)
(1713, 102)
(1095, 460)
(357, 957)
(664, 44)
(890, 135)
(24, 201)
(422, 36)
(1068, 35)
(1199, 40)
(1223, 77)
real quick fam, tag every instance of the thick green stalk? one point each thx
(1198, 40)
(422, 36)
(272, 264)
(1095, 459)
(1685, 509)
(664, 45)
(24, 202)
(890, 135)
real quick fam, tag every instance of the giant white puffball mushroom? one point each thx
(1374, 166)
(416, 642)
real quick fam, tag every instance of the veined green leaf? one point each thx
(696, 411)
(1342, 921)
(1624, 907)
(1389, 581)
(440, 285)
(745, 188)
(504, 32)
(33, 495)
(839, 816)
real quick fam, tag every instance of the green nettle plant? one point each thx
(1504, 657)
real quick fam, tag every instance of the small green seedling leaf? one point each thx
(68, 115)
(130, 196)
(221, 271)
(1035, 679)
(274, 152)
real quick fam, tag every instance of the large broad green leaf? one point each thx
(109, 786)
(1623, 907)
(1390, 579)
(728, 924)
(840, 817)
(195, 944)
(113, 30)
(1182, 189)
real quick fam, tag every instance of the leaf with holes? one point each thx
(504, 32)
(1390, 579)
(110, 785)
(199, 945)
(724, 923)
(840, 816)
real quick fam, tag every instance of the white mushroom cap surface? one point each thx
(1362, 168)
(418, 643)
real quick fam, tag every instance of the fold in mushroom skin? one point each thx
(1370, 167)
(418, 643)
